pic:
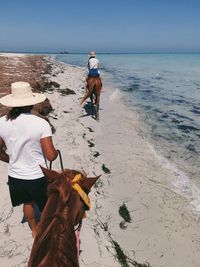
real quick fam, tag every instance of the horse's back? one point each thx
(94, 82)
(96, 79)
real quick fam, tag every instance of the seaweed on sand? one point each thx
(124, 260)
(124, 213)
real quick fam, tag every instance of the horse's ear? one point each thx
(50, 174)
(90, 181)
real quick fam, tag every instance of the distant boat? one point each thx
(64, 52)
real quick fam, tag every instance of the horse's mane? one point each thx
(55, 241)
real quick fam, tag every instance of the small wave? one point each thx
(183, 185)
(189, 190)
(115, 95)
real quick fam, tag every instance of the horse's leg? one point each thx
(97, 112)
(88, 94)
(92, 97)
(97, 100)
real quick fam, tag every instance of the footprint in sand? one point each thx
(90, 143)
(96, 154)
(105, 169)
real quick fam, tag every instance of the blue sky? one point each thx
(101, 25)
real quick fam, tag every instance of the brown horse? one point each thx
(94, 86)
(55, 242)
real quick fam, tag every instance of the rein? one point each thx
(61, 161)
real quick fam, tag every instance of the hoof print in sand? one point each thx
(53, 117)
(105, 169)
(96, 154)
(90, 144)
(90, 130)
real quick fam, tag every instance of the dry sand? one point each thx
(162, 231)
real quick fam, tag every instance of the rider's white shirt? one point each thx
(22, 139)
(93, 63)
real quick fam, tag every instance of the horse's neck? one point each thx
(58, 247)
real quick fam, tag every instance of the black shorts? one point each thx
(27, 191)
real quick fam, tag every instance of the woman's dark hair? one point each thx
(16, 111)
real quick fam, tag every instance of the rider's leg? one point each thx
(29, 214)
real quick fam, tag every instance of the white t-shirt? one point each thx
(22, 139)
(93, 63)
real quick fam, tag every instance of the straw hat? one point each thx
(21, 95)
(92, 54)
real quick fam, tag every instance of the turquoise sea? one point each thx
(164, 88)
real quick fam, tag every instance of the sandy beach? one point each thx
(157, 225)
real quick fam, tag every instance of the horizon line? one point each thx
(68, 52)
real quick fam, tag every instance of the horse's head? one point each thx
(72, 188)
(55, 242)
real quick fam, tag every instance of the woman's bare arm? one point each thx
(48, 148)
(3, 156)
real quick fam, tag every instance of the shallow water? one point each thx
(165, 90)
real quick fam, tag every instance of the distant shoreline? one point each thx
(99, 53)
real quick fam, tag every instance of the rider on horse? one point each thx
(94, 83)
(93, 65)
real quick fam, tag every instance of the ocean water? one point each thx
(165, 90)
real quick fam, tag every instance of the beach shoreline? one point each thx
(162, 229)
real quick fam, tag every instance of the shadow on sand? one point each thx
(89, 109)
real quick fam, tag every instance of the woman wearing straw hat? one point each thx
(25, 140)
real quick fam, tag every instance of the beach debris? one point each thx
(52, 84)
(66, 91)
(21, 69)
(124, 213)
(105, 169)
(123, 259)
(98, 185)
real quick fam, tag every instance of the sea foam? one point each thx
(183, 185)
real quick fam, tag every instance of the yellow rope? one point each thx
(80, 191)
